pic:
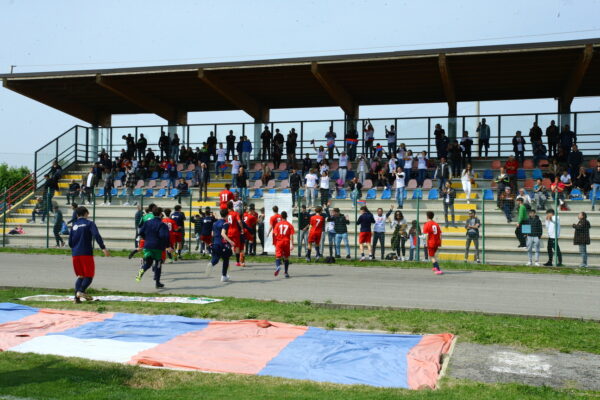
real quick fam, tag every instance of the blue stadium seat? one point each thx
(386, 194)
(283, 175)
(123, 192)
(174, 192)
(165, 176)
(350, 175)
(100, 192)
(258, 193)
(371, 194)
(286, 191)
(341, 194)
(149, 193)
(520, 173)
(576, 194)
(137, 192)
(488, 194)
(114, 191)
(417, 194)
(272, 191)
(161, 193)
(301, 192)
(120, 176)
(257, 175)
(154, 175)
(433, 194)
(179, 175)
(537, 174)
(189, 175)
(488, 174)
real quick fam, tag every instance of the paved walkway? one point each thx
(493, 292)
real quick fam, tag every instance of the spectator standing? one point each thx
(88, 188)
(141, 146)
(340, 222)
(567, 139)
(379, 231)
(512, 166)
(518, 143)
(164, 144)
(483, 131)
(290, 146)
(581, 237)
(343, 167)
(539, 152)
(242, 183)
(408, 165)
(266, 175)
(455, 154)
(306, 164)
(442, 173)
(130, 144)
(303, 225)
(522, 218)
(351, 143)
(203, 178)
(266, 137)
(324, 188)
(365, 220)
(330, 137)
(230, 140)
(448, 196)
(441, 145)
(369, 135)
(235, 170)
(595, 184)
(466, 179)
(295, 181)
(57, 227)
(246, 150)
(466, 143)
(574, 160)
(362, 169)
(221, 159)
(552, 135)
(391, 137)
(399, 234)
(534, 236)
(130, 183)
(310, 187)
(553, 229)
(472, 225)
(109, 184)
(211, 144)
(535, 133)
(400, 187)
(421, 168)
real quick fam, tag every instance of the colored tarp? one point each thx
(149, 299)
(247, 347)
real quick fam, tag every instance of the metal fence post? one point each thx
(190, 222)
(429, 136)
(499, 129)
(418, 249)
(47, 211)
(301, 140)
(556, 223)
(482, 226)
(299, 203)
(355, 225)
(4, 219)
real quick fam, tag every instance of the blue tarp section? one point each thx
(137, 328)
(345, 357)
(13, 312)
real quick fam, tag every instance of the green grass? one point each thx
(447, 265)
(565, 335)
(38, 376)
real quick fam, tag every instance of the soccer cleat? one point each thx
(139, 275)
(86, 296)
(159, 285)
(277, 271)
(433, 269)
(77, 300)
(133, 252)
(438, 272)
(363, 258)
(225, 278)
(537, 264)
(308, 259)
(287, 275)
(238, 264)
(348, 256)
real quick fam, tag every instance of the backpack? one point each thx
(391, 256)
(330, 260)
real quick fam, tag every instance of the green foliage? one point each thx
(11, 175)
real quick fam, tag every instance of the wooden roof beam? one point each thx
(258, 111)
(77, 110)
(576, 77)
(142, 100)
(337, 92)
(447, 84)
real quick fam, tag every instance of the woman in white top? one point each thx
(400, 183)
(392, 164)
(408, 164)
(362, 169)
(421, 168)
(324, 167)
(320, 152)
(400, 152)
(466, 178)
(369, 132)
(324, 188)
(343, 166)
(235, 170)
(311, 187)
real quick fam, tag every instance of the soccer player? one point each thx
(434, 240)
(205, 233)
(156, 238)
(82, 234)
(250, 221)
(221, 246)
(365, 220)
(275, 218)
(283, 233)
(316, 224)
(179, 218)
(173, 233)
(147, 217)
(234, 232)
(225, 197)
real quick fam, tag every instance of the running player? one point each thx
(173, 232)
(365, 221)
(234, 233)
(316, 224)
(205, 233)
(283, 233)
(81, 237)
(225, 197)
(147, 217)
(434, 240)
(250, 221)
(155, 239)
(179, 218)
(275, 218)
(221, 246)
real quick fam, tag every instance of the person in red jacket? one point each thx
(511, 166)
(225, 197)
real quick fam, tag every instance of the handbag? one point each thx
(526, 229)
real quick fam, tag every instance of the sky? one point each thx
(41, 35)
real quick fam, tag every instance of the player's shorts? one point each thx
(282, 249)
(172, 240)
(248, 236)
(315, 237)
(236, 239)
(431, 250)
(206, 239)
(364, 237)
(223, 206)
(84, 266)
(155, 254)
(178, 237)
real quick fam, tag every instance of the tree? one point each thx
(11, 175)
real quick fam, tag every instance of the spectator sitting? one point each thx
(183, 190)
(39, 209)
(553, 169)
(381, 180)
(574, 160)
(582, 181)
(526, 198)
(507, 203)
(511, 166)
(17, 231)
(539, 152)
(565, 178)
(353, 185)
(558, 188)
(540, 194)
(73, 192)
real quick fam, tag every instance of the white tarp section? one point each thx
(162, 299)
(284, 202)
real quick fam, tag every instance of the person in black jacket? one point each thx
(574, 159)
(230, 140)
(242, 183)
(448, 195)
(295, 182)
(211, 143)
(141, 146)
(340, 222)
(582, 237)
(442, 173)
(73, 192)
(203, 178)
(533, 237)
(518, 143)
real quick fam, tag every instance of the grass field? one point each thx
(447, 265)
(38, 376)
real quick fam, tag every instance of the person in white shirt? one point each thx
(324, 188)
(523, 195)
(391, 139)
(421, 168)
(369, 132)
(362, 169)
(379, 232)
(553, 229)
(324, 167)
(400, 184)
(466, 178)
(400, 152)
(392, 164)
(235, 170)
(320, 152)
(311, 187)
(221, 158)
(343, 167)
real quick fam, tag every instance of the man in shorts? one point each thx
(234, 232)
(173, 233)
(365, 220)
(316, 225)
(206, 231)
(81, 238)
(250, 221)
(179, 218)
(156, 238)
(225, 196)
(283, 233)
(221, 246)
(434, 240)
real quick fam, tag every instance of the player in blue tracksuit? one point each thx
(81, 238)
(156, 240)
(179, 217)
(221, 246)
(206, 230)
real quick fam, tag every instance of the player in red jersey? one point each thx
(316, 224)
(225, 197)
(174, 232)
(275, 218)
(234, 232)
(283, 233)
(434, 240)
(250, 221)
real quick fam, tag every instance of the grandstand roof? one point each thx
(503, 72)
